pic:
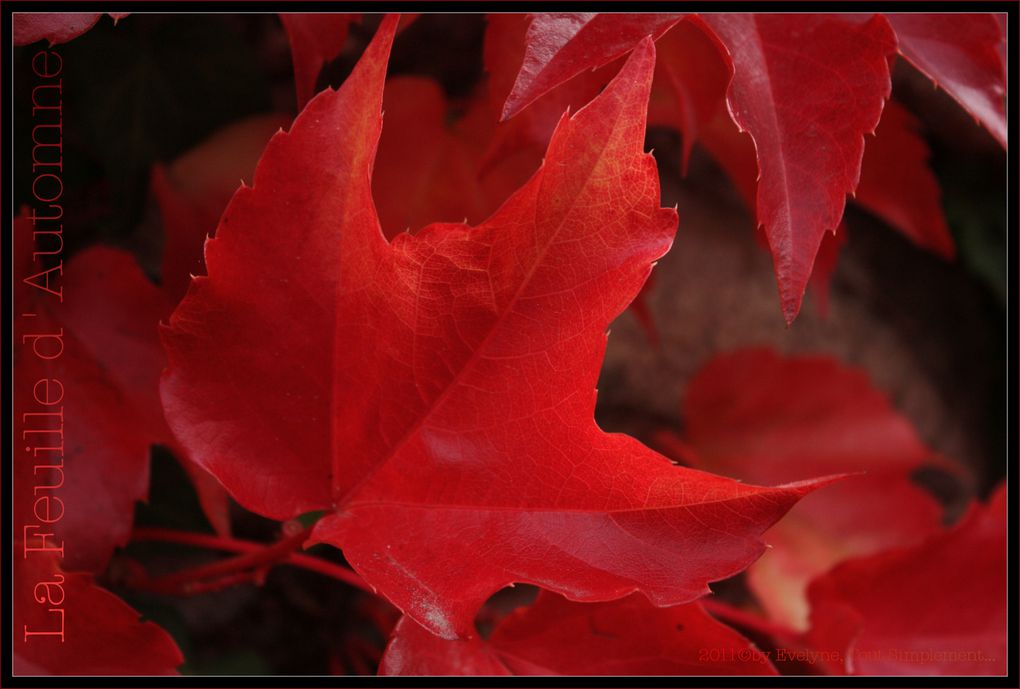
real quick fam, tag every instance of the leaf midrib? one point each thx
(347, 497)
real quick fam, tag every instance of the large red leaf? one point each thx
(315, 39)
(561, 45)
(66, 625)
(759, 417)
(939, 608)
(191, 193)
(436, 394)
(807, 88)
(962, 53)
(55, 27)
(557, 637)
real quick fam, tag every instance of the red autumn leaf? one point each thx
(807, 88)
(936, 608)
(961, 53)
(315, 39)
(766, 418)
(55, 27)
(554, 636)
(825, 267)
(191, 194)
(101, 634)
(759, 417)
(436, 394)
(561, 45)
(897, 186)
(109, 368)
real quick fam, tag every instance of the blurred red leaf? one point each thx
(825, 266)
(935, 608)
(436, 394)
(428, 169)
(692, 73)
(193, 190)
(963, 54)
(759, 417)
(109, 369)
(897, 186)
(55, 27)
(315, 39)
(555, 636)
(101, 634)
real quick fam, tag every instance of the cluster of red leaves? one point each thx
(433, 391)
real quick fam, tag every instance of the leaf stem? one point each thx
(253, 559)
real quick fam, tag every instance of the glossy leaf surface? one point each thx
(436, 394)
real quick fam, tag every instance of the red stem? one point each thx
(253, 556)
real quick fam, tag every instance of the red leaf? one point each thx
(825, 266)
(897, 186)
(80, 473)
(755, 415)
(437, 393)
(109, 370)
(102, 635)
(807, 88)
(423, 173)
(56, 27)
(962, 53)
(938, 608)
(758, 417)
(315, 39)
(561, 45)
(557, 637)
